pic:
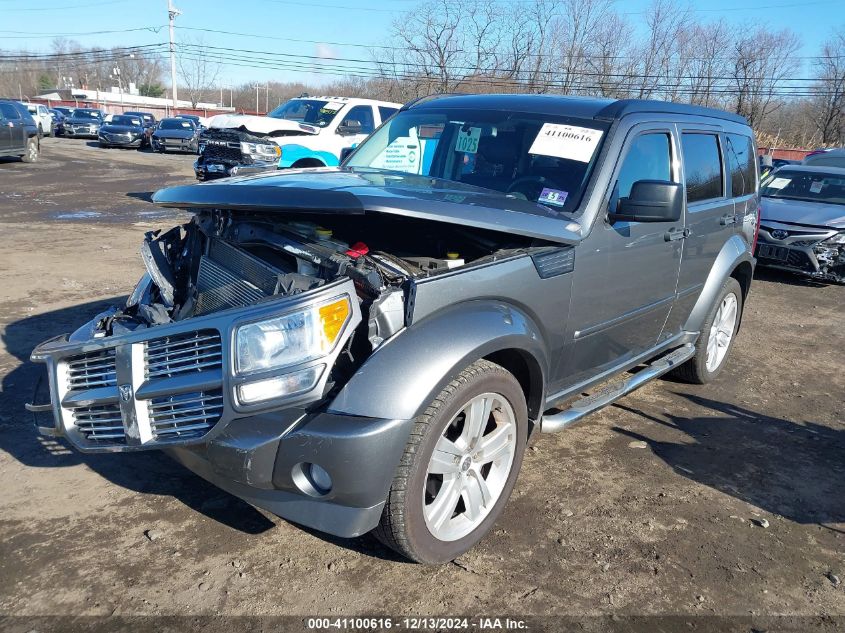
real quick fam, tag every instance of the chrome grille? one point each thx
(183, 353)
(92, 370)
(99, 422)
(185, 414)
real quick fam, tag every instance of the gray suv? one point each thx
(370, 347)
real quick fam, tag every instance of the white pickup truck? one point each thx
(303, 132)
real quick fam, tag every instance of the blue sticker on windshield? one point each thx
(553, 196)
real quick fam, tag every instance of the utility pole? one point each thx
(172, 13)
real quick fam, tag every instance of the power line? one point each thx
(479, 70)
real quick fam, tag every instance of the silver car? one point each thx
(802, 224)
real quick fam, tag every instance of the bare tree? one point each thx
(199, 68)
(763, 62)
(829, 106)
(666, 22)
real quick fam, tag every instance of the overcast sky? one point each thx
(324, 28)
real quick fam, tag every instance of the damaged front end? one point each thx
(232, 347)
(815, 252)
(230, 318)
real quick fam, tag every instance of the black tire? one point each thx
(695, 369)
(33, 150)
(402, 526)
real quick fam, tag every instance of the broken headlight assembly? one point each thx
(836, 240)
(261, 150)
(285, 341)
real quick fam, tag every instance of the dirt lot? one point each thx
(653, 506)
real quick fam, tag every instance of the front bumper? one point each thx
(208, 170)
(263, 460)
(81, 133)
(118, 142)
(800, 250)
(171, 387)
(174, 144)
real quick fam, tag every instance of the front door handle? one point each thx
(675, 234)
(728, 218)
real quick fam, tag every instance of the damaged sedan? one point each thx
(369, 347)
(802, 225)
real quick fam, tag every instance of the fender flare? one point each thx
(404, 375)
(734, 253)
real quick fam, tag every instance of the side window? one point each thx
(741, 161)
(364, 117)
(702, 166)
(9, 112)
(648, 158)
(385, 113)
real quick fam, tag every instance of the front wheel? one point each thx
(717, 336)
(459, 466)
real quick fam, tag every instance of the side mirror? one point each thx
(650, 201)
(345, 152)
(349, 128)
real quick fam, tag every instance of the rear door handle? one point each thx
(675, 234)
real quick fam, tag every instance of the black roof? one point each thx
(585, 107)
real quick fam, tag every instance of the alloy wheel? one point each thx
(469, 467)
(721, 332)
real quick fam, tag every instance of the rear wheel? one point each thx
(717, 336)
(459, 466)
(32, 150)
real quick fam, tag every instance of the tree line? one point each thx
(577, 47)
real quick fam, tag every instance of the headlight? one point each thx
(291, 339)
(836, 240)
(264, 150)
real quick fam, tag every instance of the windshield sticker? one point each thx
(331, 107)
(816, 187)
(403, 154)
(468, 140)
(566, 141)
(553, 196)
(778, 183)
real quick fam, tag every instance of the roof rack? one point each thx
(621, 107)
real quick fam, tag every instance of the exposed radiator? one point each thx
(229, 277)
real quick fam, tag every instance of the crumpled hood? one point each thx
(803, 212)
(357, 191)
(258, 124)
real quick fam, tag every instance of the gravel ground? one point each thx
(725, 499)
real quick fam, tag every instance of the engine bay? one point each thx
(230, 259)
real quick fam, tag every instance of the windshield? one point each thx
(805, 185)
(126, 120)
(309, 111)
(86, 114)
(176, 124)
(541, 158)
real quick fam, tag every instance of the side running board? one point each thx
(595, 401)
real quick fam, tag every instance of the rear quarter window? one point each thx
(702, 166)
(743, 172)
